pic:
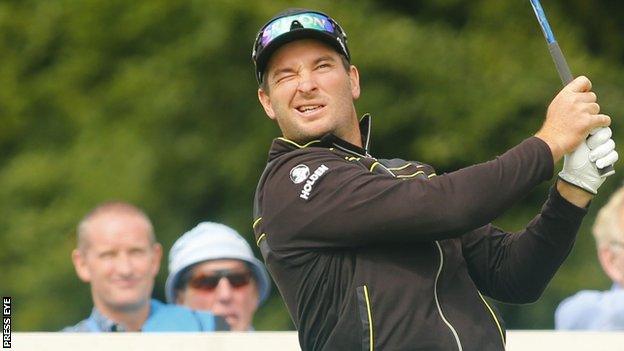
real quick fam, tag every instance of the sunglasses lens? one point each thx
(205, 282)
(238, 280)
(306, 20)
(210, 282)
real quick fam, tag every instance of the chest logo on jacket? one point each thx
(299, 173)
(307, 187)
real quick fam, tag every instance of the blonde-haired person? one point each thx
(601, 310)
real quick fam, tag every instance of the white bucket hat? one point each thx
(213, 241)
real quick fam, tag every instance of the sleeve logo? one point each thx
(299, 174)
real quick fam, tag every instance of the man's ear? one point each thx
(179, 300)
(256, 293)
(354, 79)
(607, 258)
(265, 101)
(80, 265)
(157, 250)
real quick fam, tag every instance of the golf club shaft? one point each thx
(560, 62)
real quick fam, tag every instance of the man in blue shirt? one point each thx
(601, 310)
(119, 257)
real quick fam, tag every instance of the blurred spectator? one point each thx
(201, 258)
(119, 257)
(601, 310)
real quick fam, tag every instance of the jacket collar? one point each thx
(102, 323)
(282, 145)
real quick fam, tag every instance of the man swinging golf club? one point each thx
(384, 254)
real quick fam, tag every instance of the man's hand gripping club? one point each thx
(580, 168)
(572, 116)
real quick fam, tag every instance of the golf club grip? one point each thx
(566, 77)
(560, 63)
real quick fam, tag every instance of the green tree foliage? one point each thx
(154, 102)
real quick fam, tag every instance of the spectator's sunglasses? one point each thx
(209, 282)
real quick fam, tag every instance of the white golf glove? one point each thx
(580, 168)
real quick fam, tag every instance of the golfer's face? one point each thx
(310, 92)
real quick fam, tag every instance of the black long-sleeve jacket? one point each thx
(374, 254)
